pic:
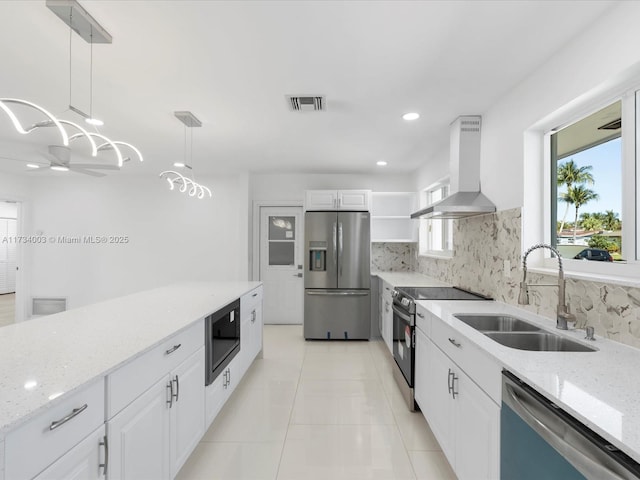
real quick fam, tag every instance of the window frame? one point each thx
(630, 185)
(425, 245)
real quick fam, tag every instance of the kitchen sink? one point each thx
(538, 342)
(497, 323)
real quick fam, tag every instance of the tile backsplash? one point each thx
(391, 257)
(481, 246)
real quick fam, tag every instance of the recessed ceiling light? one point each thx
(59, 168)
(32, 165)
(381, 163)
(178, 164)
(411, 116)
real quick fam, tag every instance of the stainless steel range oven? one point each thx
(404, 321)
(222, 339)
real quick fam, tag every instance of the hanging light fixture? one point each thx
(175, 179)
(81, 22)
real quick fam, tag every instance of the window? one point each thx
(587, 188)
(435, 236)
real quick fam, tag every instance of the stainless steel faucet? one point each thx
(563, 314)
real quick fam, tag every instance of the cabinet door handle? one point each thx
(170, 388)
(229, 370)
(177, 394)
(74, 413)
(455, 344)
(253, 316)
(173, 349)
(454, 392)
(421, 315)
(105, 443)
(254, 295)
(449, 387)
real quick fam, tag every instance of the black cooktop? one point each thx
(440, 293)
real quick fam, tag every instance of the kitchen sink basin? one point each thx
(497, 323)
(538, 342)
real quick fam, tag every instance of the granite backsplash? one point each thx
(481, 245)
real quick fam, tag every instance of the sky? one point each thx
(606, 160)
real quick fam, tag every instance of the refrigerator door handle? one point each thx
(335, 248)
(340, 249)
(340, 293)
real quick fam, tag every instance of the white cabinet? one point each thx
(85, 461)
(187, 411)
(391, 217)
(153, 436)
(354, 200)
(386, 314)
(44, 439)
(251, 327)
(464, 419)
(139, 437)
(221, 389)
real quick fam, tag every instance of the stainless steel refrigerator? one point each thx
(337, 303)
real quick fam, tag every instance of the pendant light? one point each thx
(81, 22)
(175, 179)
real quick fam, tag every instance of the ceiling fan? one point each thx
(59, 158)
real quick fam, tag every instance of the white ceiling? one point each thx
(232, 63)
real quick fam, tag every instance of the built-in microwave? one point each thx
(222, 339)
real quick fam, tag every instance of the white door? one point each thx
(8, 233)
(281, 265)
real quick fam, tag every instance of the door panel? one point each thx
(354, 250)
(320, 239)
(281, 268)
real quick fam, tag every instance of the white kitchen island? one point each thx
(56, 365)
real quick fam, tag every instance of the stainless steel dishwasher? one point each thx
(538, 440)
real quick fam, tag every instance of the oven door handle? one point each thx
(401, 314)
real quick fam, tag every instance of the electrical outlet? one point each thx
(507, 268)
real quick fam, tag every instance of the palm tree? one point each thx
(611, 221)
(570, 174)
(579, 196)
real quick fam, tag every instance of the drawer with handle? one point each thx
(475, 361)
(250, 300)
(137, 376)
(35, 445)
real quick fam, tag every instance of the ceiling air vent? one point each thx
(306, 103)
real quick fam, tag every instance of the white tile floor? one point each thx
(317, 410)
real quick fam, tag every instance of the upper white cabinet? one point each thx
(353, 200)
(391, 217)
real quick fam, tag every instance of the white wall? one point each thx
(8, 210)
(291, 187)
(578, 67)
(172, 237)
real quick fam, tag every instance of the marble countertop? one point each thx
(598, 388)
(45, 359)
(409, 279)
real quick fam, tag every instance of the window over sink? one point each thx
(584, 155)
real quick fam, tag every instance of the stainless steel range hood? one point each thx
(465, 200)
